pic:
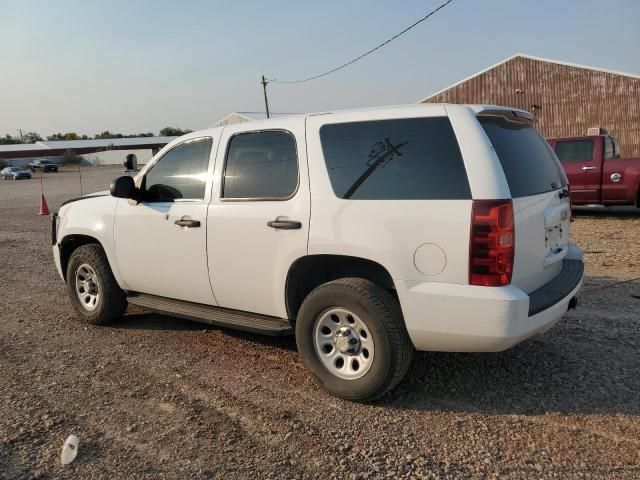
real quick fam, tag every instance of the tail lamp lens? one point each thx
(492, 243)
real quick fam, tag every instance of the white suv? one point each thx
(367, 233)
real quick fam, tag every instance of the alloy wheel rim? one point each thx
(343, 343)
(87, 287)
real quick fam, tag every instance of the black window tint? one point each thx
(609, 151)
(527, 159)
(261, 165)
(410, 158)
(616, 147)
(180, 173)
(574, 150)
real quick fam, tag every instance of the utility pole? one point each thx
(20, 130)
(264, 89)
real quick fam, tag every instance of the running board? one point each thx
(222, 317)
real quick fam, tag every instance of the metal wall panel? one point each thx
(572, 98)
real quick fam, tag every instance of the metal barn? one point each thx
(567, 99)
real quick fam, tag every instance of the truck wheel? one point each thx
(94, 292)
(351, 336)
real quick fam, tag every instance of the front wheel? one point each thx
(92, 288)
(351, 336)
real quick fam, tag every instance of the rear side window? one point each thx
(403, 159)
(261, 165)
(575, 150)
(527, 159)
(611, 149)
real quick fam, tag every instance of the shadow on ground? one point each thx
(588, 363)
(614, 212)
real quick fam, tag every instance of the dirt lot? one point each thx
(158, 397)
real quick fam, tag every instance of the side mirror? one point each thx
(123, 187)
(131, 163)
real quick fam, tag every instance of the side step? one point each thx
(223, 317)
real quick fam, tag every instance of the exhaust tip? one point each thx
(573, 303)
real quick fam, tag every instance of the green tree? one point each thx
(32, 137)
(55, 136)
(173, 132)
(71, 136)
(9, 140)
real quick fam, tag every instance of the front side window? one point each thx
(261, 165)
(181, 173)
(400, 159)
(574, 151)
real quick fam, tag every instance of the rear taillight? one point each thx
(492, 243)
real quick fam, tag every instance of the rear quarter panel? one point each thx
(624, 192)
(390, 232)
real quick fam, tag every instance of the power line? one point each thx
(367, 52)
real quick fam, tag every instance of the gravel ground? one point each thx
(158, 397)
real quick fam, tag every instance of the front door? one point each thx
(258, 221)
(160, 242)
(583, 168)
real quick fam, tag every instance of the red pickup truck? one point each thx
(597, 175)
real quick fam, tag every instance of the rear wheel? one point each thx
(351, 336)
(94, 292)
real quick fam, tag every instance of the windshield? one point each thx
(529, 164)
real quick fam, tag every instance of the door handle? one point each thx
(187, 223)
(284, 224)
(588, 168)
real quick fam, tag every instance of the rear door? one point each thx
(540, 199)
(581, 159)
(258, 220)
(616, 188)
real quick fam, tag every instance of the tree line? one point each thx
(33, 137)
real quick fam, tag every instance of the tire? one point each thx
(90, 262)
(371, 309)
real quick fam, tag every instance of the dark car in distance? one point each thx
(14, 173)
(44, 165)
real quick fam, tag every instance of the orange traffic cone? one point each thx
(44, 209)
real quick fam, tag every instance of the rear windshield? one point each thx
(527, 159)
(402, 159)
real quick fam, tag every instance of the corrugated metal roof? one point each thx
(77, 144)
(117, 142)
(242, 117)
(17, 147)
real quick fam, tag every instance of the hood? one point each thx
(85, 197)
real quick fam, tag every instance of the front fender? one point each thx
(91, 217)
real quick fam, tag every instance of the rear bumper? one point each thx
(467, 318)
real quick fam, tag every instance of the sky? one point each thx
(137, 66)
